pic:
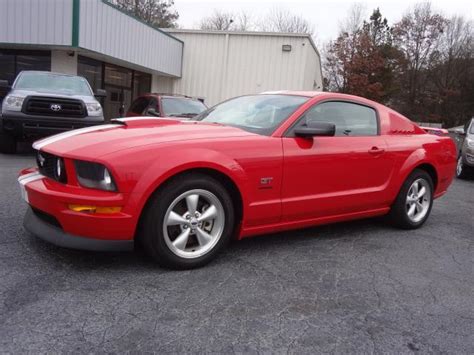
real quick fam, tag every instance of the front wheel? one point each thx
(188, 221)
(414, 201)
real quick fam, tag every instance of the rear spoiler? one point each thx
(436, 131)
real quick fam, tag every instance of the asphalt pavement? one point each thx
(358, 287)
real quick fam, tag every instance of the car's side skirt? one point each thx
(282, 226)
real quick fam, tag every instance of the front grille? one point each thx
(56, 107)
(47, 165)
(45, 217)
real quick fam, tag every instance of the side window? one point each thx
(350, 119)
(153, 104)
(140, 105)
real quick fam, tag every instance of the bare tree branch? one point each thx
(281, 20)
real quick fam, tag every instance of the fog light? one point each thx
(94, 209)
(470, 158)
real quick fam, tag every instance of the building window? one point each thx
(141, 84)
(13, 62)
(91, 70)
(123, 85)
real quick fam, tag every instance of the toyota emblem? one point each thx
(55, 107)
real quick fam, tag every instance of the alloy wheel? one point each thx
(418, 200)
(193, 223)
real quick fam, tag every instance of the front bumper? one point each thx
(54, 235)
(468, 157)
(21, 125)
(50, 218)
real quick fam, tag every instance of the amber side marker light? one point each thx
(94, 209)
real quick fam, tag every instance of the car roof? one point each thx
(293, 92)
(170, 95)
(322, 94)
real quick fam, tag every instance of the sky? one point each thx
(325, 15)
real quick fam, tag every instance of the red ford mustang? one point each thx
(251, 165)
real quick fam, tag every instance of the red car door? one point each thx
(329, 176)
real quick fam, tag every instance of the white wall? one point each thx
(162, 84)
(108, 31)
(63, 62)
(219, 65)
(36, 21)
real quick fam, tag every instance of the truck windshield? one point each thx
(182, 106)
(50, 82)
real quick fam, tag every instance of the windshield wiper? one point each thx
(182, 114)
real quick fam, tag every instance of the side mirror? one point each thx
(4, 84)
(100, 93)
(152, 112)
(313, 129)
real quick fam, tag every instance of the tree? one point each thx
(157, 13)
(280, 20)
(363, 62)
(450, 81)
(354, 19)
(227, 21)
(417, 35)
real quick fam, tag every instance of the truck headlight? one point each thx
(94, 176)
(94, 109)
(13, 103)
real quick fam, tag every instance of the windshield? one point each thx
(260, 114)
(178, 106)
(73, 85)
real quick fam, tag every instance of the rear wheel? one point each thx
(188, 222)
(414, 201)
(7, 143)
(462, 171)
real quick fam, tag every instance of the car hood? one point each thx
(53, 94)
(93, 142)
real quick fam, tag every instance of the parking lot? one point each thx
(359, 287)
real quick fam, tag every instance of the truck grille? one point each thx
(56, 107)
(48, 166)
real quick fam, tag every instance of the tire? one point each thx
(7, 143)
(463, 171)
(188, 241)
(403, 214)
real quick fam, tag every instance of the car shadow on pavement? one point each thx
(269, 243)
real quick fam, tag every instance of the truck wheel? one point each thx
(414, 201)
(188, 222)
(7, 143)
(462, 171)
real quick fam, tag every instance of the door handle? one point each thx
(376, 150)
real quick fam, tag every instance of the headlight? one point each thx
(94, 176)
(94, 109)
(13, 103)
(470, 142)
(60, 171)
(51, 166)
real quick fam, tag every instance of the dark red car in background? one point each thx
(166, 105)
